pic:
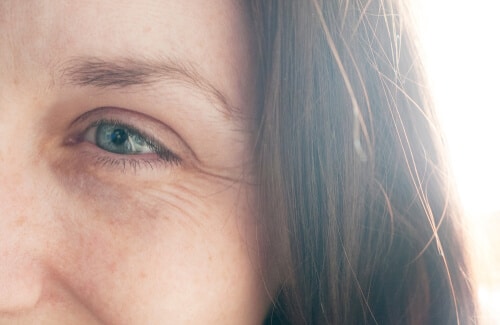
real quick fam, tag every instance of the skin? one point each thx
(88, 236)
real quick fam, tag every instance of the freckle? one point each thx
(142, 275)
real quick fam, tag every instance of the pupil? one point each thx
(119, 136)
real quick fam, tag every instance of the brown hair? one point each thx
(361, 222)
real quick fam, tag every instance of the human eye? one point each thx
(121, 144)
(121, 139)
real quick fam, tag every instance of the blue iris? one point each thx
(120, 139)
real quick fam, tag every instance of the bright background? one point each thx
(461, 46)
(461, 43)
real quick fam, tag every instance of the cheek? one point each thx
(152, 250)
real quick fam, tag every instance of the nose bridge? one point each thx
(21, 234)
(27, 236)
(14, 152)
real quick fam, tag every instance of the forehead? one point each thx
(212, 35)
(107, 24)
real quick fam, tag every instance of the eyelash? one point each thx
(164, 156)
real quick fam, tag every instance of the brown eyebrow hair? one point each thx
(125, 72)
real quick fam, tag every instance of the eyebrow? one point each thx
(121, 73)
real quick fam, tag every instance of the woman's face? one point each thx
(126, 190)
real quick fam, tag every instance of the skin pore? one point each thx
(92, 234)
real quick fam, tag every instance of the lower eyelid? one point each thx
(90, 155)
(124, 164)
(134, 165)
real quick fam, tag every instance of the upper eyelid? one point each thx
(110, 115)
(85, 116)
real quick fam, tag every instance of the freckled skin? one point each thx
(86, 243)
